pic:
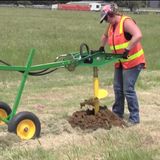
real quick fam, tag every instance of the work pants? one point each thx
(124, 87)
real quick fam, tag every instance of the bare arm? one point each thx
(104, 40)
(104, 37)
(133, 29)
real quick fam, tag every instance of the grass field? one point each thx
(56, 96)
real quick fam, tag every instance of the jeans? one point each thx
(124, 87)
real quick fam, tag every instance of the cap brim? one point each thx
(103, 17)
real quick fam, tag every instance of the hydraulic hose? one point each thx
(37, 73)
(82, 47)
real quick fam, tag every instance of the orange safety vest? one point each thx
(118, 43)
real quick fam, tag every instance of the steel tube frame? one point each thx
(99, 59)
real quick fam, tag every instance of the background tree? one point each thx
(132, 5)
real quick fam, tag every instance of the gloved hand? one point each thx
(125, 54)
(101, 49)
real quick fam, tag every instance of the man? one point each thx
(123, 37)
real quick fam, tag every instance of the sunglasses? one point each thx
(110, 14)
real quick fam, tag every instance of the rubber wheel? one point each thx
(26, 125)
(5, 110)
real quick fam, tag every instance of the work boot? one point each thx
(131, 124)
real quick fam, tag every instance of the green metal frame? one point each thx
(73, 59)
(22, 84)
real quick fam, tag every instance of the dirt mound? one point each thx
(88, 120)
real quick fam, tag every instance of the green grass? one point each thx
(54, 96)
(50, 32)
(56, 32)
(114, 145)
(38, 153)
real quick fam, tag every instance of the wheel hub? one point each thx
(3, 114)
(26, 129)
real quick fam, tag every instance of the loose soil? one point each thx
(86, 119)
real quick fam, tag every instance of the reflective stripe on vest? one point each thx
(120, 46)
(134, 56)
(124, 45)
(121, 23)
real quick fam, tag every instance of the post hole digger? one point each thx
(26, 124)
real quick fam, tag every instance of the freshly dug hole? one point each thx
(86, 119)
